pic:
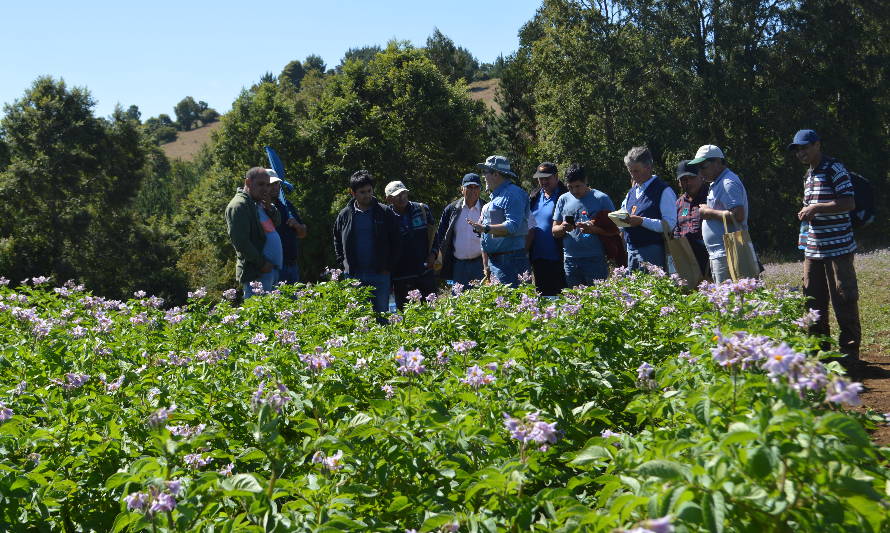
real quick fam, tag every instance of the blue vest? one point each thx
(647, 206)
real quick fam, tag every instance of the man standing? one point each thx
(504, 222)
(828, 271)
(727, 202)
(688, 217)
(414, 269)
(290, 230)
(546, 250)
(460, 246)
(366, 239)
(649, 201)
(250, 226)
(585, 258)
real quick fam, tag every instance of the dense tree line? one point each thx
(95, 199)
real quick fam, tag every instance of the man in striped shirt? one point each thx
(829, 246)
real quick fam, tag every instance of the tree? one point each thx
(452, 61)
(314, 62)
(74, 217)
(292, 72)
(188, 112)
(363, 54)
(133, 113)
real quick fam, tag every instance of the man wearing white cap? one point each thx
(726, 198)
(414, 269)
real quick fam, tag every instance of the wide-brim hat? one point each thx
(498, 163)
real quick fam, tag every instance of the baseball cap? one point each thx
(685, 169)
(706, 152)
(394, 187)
(498, 163)
(273, 176)
(471, 179)
(803, 137)
(545, 170)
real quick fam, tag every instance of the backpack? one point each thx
(864, 212)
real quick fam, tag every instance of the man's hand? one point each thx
(301, 231)
(267, 267)
(808, 212)
(590, 228)
(292, 222)
(477, 227)
(634, 220)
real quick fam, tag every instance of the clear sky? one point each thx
(153, 54)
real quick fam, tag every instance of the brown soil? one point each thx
(875, 376)
(484, 91)
(188, 143)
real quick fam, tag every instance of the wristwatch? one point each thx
(487, 228)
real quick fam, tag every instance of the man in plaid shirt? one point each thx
(688, 217)
(829, 246)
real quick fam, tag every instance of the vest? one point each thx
(647, 206)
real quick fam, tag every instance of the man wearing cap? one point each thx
(367, 240)
(727, 202)
(414, 269)
(545, 250)
(649, 201)
(250, 220)
(828, 271)
(290, 230)
(460, 246)
(688, 217)
(504, 222)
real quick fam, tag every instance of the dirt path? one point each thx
(875, 376)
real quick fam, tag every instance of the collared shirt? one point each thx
(544, 246)
(467, 244)
(828, 235)
(509, 206)
(688, 216)
(667, 203)
(725, 193)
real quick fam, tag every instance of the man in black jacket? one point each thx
(460, 246)
(367, 242)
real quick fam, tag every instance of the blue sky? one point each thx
(153, 54)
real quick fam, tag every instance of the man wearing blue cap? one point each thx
(504, 222)
(827, 237)
(459, 245)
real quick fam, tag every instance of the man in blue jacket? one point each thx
(367, 242)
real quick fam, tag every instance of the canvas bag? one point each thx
(683, 257)
(740, 254)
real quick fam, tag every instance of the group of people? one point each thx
(561, 233)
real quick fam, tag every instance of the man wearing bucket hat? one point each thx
(414, 269)
(727, 201)
(504, 222)
(828, 271)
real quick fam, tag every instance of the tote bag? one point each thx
(684, 258)
(740, 254)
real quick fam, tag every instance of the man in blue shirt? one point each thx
(649, 201)
(585, 258)
(545, 250)
(727, 199)
(504, 222)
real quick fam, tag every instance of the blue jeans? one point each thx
(381, 284)
(466, 270)
(269, 279)
(720, 269)
(651, 253)
(507, 267)
(290, 273)
(583, 270)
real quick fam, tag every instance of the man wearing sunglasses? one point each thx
(504, 222)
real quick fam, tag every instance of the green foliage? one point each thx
(68, 191)
(187, 113)
(291, 413)
(362, 53)
(293, 72)
(454, 62)
(314, 62)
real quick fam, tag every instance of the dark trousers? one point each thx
(425, 283)
(834, 278)
(550, 277)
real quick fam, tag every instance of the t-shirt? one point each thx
(828, 235)
(544, 245)
(363, 224)
(575, 243)
(725, 193)
(272, 249)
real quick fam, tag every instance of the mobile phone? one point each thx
(570, 219)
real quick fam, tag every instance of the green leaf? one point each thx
(241, 484)
(398, 503)
(702, 411)
(591, 454)
(760, 463)
(843, 425)
(118, 479)
(663, 469)
(735, 437)
(124, 520)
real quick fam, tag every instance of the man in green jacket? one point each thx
(246, 230)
